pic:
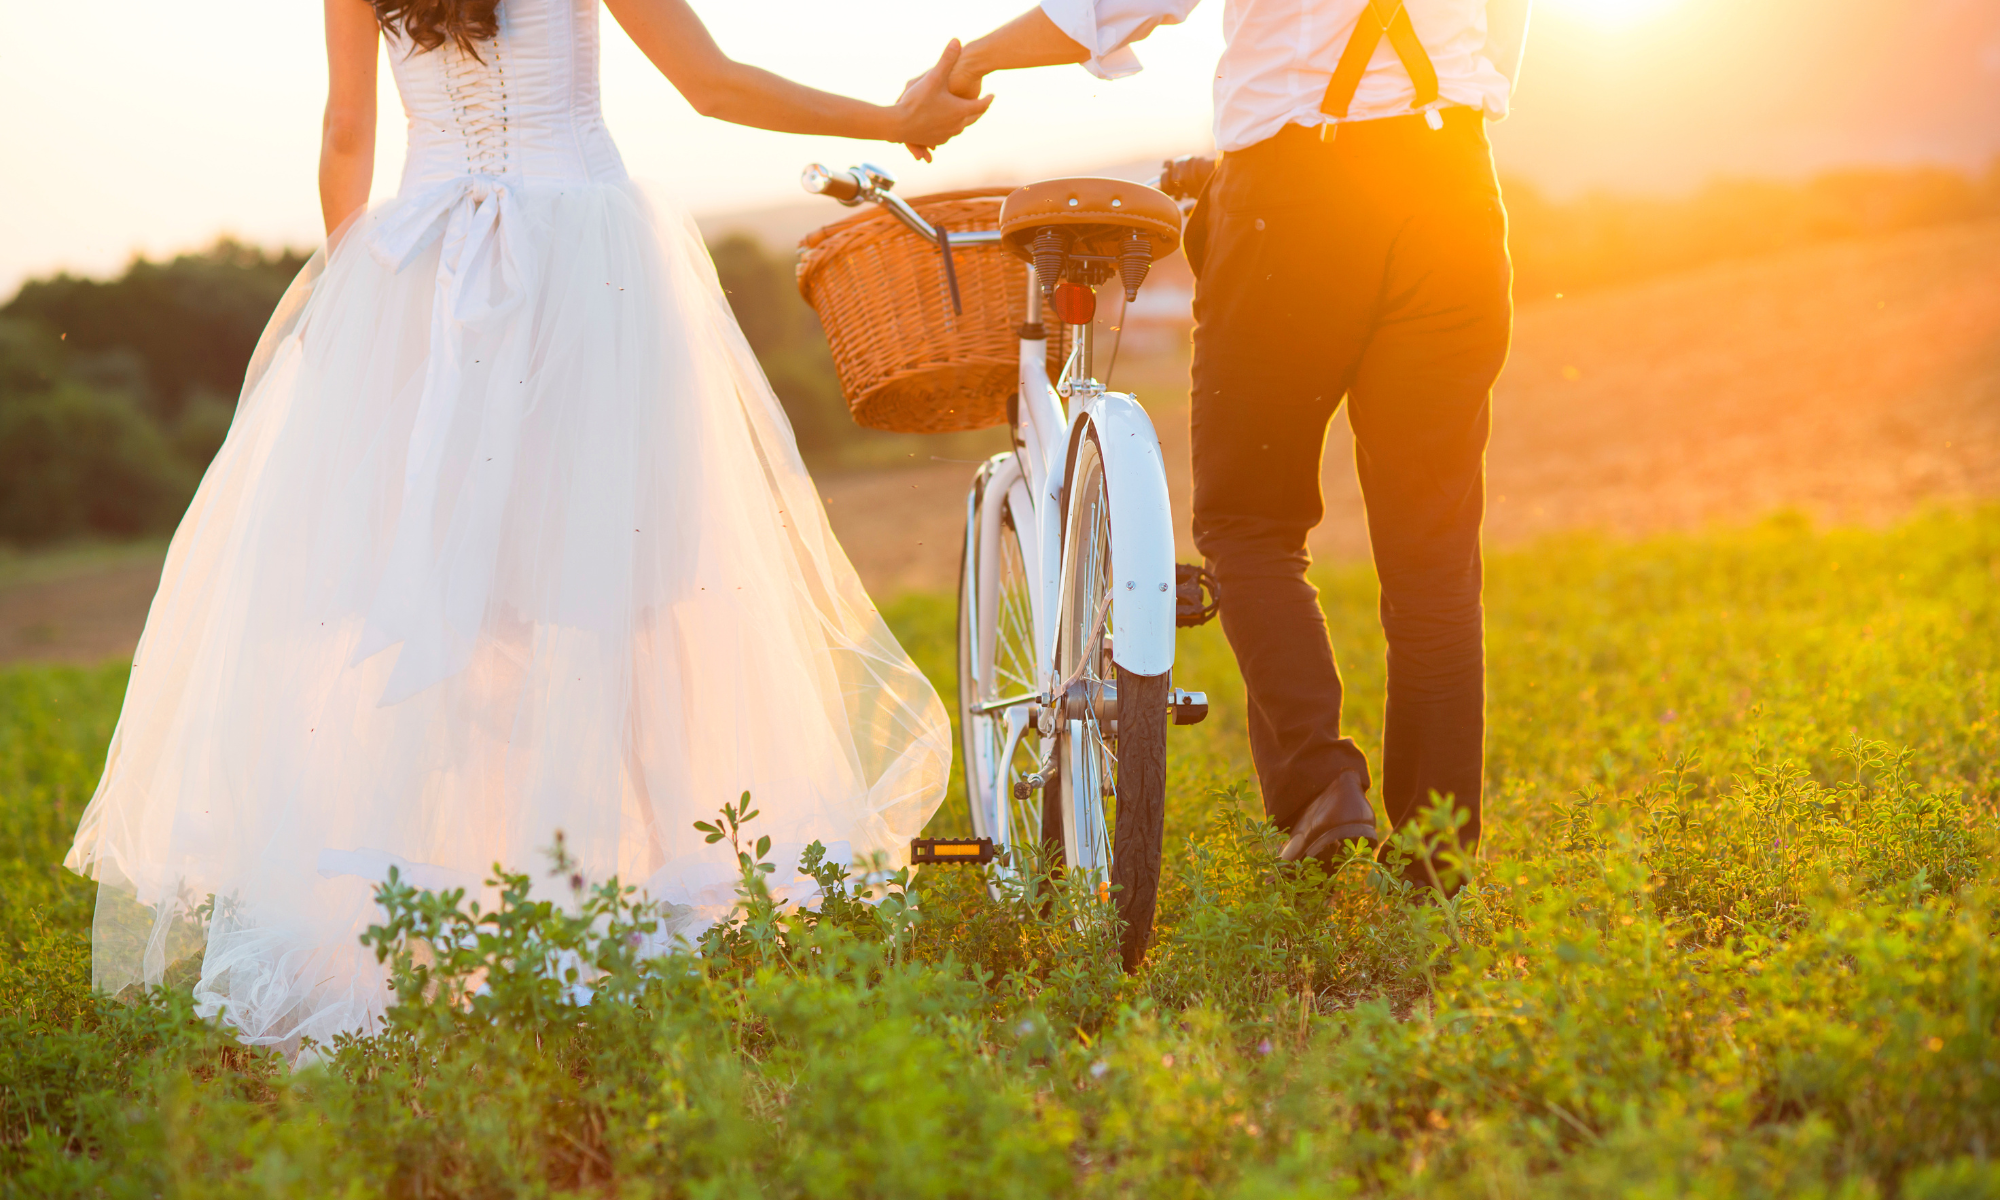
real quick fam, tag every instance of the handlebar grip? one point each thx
(841, 185)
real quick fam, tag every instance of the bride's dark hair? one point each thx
(430, 23)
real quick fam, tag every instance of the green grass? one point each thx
(1732, 933)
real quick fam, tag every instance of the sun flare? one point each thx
(1611, 12)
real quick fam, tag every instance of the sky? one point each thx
(134, 126)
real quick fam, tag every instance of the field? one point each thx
(1731, 931)
(1731, 934)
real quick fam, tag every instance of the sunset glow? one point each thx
(1632, 95)
(1612, 12)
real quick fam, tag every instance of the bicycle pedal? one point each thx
(1189, 708)
(951, 850)
(1197, 595)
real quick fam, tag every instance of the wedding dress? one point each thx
(509, 537)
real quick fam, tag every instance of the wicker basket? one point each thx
(907, 364)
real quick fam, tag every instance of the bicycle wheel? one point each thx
(1111, 724)
(997, 675)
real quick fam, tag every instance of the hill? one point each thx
(1854, 380)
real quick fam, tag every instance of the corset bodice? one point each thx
(524, 111)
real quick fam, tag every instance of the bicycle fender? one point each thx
(1049, 541)
(1142, 535)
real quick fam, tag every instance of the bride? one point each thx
(509, 537)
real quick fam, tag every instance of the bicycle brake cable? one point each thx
(950, 272)
(1117, 335)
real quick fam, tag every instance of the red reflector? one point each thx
(1075, 304)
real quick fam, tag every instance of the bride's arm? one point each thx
(670, 34)
(347, 134)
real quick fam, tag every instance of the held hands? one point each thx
(938, 105)
(1029, 40)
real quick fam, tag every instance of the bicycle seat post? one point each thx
(1031, 330)
(1076, 306)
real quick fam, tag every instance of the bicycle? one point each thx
(1069, 595)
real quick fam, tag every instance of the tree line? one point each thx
(115, 393)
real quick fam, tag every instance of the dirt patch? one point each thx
(1855, 381)
(77, 608)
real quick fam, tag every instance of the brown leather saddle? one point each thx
(1086, 229)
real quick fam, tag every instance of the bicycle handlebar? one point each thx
(870, 184)
(1184, 177)
(840, 185)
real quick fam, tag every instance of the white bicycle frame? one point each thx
(1047, 436)
(1052, 423)
(1142, 524)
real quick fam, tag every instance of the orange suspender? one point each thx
(1369, 28)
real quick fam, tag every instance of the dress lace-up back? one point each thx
(476, 88)
(525, 110)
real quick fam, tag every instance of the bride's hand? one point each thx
(929, 113)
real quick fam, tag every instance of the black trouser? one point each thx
(1371, 267)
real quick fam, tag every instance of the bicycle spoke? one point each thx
(1082, 653)
(1001, 746)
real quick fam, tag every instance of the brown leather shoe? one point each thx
(1340, 814)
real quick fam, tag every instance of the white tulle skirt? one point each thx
(509, 537)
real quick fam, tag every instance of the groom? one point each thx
(1351, 245)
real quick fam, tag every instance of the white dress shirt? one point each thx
(1280, 54)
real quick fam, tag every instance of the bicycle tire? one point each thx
(1125, 852)
(1142, 810)
(976, 804)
